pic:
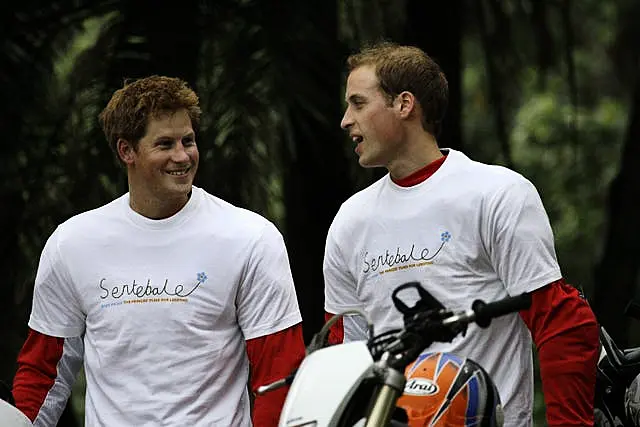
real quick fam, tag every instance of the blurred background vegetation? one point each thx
(547, 87)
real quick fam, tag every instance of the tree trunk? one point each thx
(13, 307)
(316, 172)
(616, 276)
(436, 28)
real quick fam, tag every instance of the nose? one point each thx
(347, 121)
(179, 153)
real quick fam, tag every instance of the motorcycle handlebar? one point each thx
(426, 326)
(436, 328)
(481, 313)
(485, 312)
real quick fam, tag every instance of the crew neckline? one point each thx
(164, 223)
(450, 157)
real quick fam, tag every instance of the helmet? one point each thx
(632, 402)
(443, 389)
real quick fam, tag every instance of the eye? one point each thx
(190, 140)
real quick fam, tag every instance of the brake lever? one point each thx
(263, 389)
(283, 382)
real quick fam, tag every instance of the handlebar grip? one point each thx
(487, 311)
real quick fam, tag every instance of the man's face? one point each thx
(373, 124)
(166, 160)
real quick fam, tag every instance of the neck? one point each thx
(154, 207)
(418, 151)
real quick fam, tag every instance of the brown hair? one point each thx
(407, 68)
(127, 114)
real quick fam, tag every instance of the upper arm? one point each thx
(519, 238)
(340, 286)
(266, 300)
(56, 309)
(340, 291)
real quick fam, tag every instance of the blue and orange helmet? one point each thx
(446, 390)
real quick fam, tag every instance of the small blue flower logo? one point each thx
(445, 236)
(202, 277)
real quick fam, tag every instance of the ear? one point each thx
(406, 103)
(126, 151)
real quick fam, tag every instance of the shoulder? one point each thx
(354, 210)
(484, 175)
(90, 223)
(242, 222)
(486, 181)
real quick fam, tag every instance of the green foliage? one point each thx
(61, 130)
(572, 169)
(565, 132)
(565, 138)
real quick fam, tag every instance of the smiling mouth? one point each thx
(181, 172)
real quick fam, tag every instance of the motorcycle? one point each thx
(367, 382)
(617, 402)
(9, 414)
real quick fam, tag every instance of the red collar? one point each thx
(421, 175)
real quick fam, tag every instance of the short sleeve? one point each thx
(340, 291)
(520, 238)
(56, 309)
(266, 300)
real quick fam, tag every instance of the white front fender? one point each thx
(10, 416)
(324, 384)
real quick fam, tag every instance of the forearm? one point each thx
(568, 372)
(565, 332)
(336, 331)
(47, 369)
(271, 358)
(346, 329)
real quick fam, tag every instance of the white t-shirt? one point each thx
(165, 307)
(470, 231)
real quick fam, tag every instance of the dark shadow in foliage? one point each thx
(436, 28)
(34, 35)
(617, 273)
(316, 179)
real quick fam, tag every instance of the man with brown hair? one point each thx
(464, 230)
(172, 297)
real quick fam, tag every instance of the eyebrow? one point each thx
(190, 134)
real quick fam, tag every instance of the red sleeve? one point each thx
(565, 332)
(273, 357)
(336, 331)
(36, 374)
